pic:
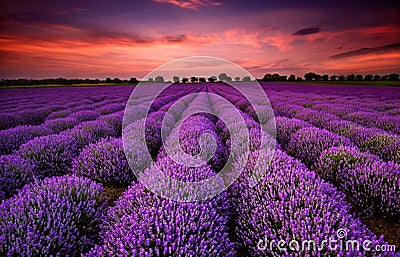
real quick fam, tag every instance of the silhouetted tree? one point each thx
(133, 80)
(325, 77)
(159, 79)
(228, 79)
(212, 79)
(193, 79)
(117, 81)
(310, 76)
(299, 78)
(175, 79)
(108, 80)
(237, 78)
(246, 79)
(185, 80)
(351, 77)
(359, 77)
(394, 77)
(292, 77)
(202, 80)
(317, 77)
(341, 78)
(222, 77)
(333, 77)
(377, 77)
(368, 77)
(267, 77)
(151, 80)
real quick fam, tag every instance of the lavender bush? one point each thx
(308, 143)
(15, 172)
(88, 115)
(58, 216)
(52, 155)
(104, 162)
(11, 139)
(60, 124)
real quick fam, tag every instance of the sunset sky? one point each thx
(125, 38)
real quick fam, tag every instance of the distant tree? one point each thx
(368, 77)
(325, 77)
(212, 79)
(292, 77)
(151, 80)
(228, 79)
(237, 78)
(202, 80)
(310, 76)
(108, 80)
(193, 79)
(246, 79)
(351, 77)
(159, 79)
(184, 80)
(394, 77)
(341, 78)
(283, 78)
(117, 81)
(222, 77)
(377, 77)
(317, 77)
(359, 77)
(175, 79)
(133, 80)
(267, 77)
(333, 77)
(299, 78)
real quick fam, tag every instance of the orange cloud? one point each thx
(190, 4)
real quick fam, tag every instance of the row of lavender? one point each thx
(376, 141)
(373, 112)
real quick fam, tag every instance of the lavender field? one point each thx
(332, 163)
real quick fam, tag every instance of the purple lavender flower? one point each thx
(10, 120)
(15, 172)
(11, 139)
(375, 188)
(60, 124)
(104, 162)
(308, 143)
(292, 203)
(286, 127)
(59, 114)
(335, 161)
(58, 216)
(88, 115)
(52, 155)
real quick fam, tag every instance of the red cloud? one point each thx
(190, 4)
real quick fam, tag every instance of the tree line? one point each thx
(64, 81)
(310, 76)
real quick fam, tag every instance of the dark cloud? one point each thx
(307, 31)
(175, 38)
(363, 51)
